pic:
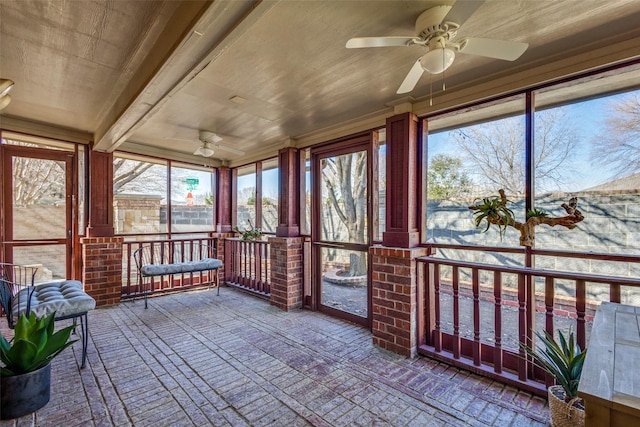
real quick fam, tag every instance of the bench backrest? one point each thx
(171, 252)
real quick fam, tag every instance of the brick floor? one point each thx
(197, 359)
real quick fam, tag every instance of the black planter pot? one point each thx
(23, 394)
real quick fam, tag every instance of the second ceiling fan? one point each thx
(436, 28)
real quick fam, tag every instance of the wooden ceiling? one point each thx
(145, 76)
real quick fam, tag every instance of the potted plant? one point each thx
(563, 360)
(25, 376)
(250, 233)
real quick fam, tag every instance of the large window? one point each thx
(192, 198)
(257, 196)
(269, 195)
(245, 178)
(145, 204)
(473, 154)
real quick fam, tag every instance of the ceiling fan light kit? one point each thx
(205, 150)
(437, 60)
(436, 28)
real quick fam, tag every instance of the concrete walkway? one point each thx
(197, 359)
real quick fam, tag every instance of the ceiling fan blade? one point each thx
(462, 10)
(230, 150)
(498, 49)
(412, 78)
(359, 42)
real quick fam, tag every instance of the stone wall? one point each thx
(136, 213)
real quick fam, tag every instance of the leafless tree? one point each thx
(345, 178)
(36, 180)
(126, 171)
(497, 151)
(619, 142)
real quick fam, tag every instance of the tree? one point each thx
(345, 179)
(619, 142)
(126, 171)
(445, 178)
(497, 150)
(37, 181)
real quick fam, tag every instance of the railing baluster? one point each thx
(497, 319)
(522, 326)
(437, 334)
(581, 296)
(475, 283)
(549, 297)
(614, 293)
(456, 312)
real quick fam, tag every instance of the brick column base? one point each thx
(394, 298)
(102, 269)
(286, 272)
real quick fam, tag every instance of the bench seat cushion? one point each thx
(65, 298)
(180, 267)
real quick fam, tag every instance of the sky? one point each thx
(588, 172)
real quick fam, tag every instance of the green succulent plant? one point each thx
(562, 359)
(536, 213)
(34, 344)
(249, 234)
(493, 210)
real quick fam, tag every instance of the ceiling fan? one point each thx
(436, 28)
(210, 140)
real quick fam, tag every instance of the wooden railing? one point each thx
(131, 282)
(477, 315)
(247, 265)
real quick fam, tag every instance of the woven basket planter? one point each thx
(564, 414)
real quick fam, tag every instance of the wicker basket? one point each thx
(564, 414)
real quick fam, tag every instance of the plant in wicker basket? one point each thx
(563, 360)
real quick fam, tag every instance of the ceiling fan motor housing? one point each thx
(429, 21)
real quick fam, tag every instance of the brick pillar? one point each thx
(102, 269)
(395, 298)
(287, 271)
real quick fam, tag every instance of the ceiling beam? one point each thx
(201, 31)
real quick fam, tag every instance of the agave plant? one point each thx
(562, 360)
(540, 213)
(34, 344)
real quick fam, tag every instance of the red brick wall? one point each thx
(102, 269)
(394, 298)
(287, 269)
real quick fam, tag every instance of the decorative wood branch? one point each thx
(496, 212)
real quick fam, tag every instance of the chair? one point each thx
(19, 294)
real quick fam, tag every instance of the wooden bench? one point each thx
(19, 294)
(610, 381)
(173, 258)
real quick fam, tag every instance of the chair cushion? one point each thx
(181, 267)
(65, 298)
